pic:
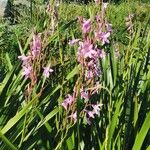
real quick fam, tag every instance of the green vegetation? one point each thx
(32, 114)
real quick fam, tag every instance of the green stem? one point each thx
(23, 132)
(12, 147)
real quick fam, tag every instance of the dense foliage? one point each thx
(76, 77)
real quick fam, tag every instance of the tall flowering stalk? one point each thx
(95, 36)
(34, 64)
(31, 64)
(52, 12)
(129, 21)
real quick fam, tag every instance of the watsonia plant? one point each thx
(108, 83)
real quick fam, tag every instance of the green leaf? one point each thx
(47, 118)
(142, 134)
(17, 117)
(73, 73)
(48, 127)
(113, 125)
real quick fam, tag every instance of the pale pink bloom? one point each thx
(96, 70)
(89, 74)
(105, 5)
(91, 53)
(91, 114)
(96, 108)
(35, 54)
(47, 71)
(73, 42)
(68, 101)
(65, 104)
(27, 71)
(91, 63)
(84, 94)
(86, 26)
(109, 27)
(86, 50)
(24, 59)
(102, 36)
(98, 19)
(101, 53)
(74, 117)
(36, 45)
(93, 71)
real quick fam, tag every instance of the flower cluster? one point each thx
(47, 71)
(26, 65)
(68, 101)
(90, 51)
(36, 62)
(103, 31)
(36, 46)
(31, 62)
(90, 114)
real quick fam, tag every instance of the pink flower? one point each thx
(89, 74)
(101, 53)
(105, 5)
(96, 108)
(47, 71)
(27, 71)
(89, 116)
(98, 19)
(24, 59)
(68, 101)
(109, 27)
(91, 63)
(65, 104)
(84, 94)
(90, 113)
(96, 70)
(73, 42)
(36, 45)
(74, 117)
(102, 36)
(86, 26)
(86, 50)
